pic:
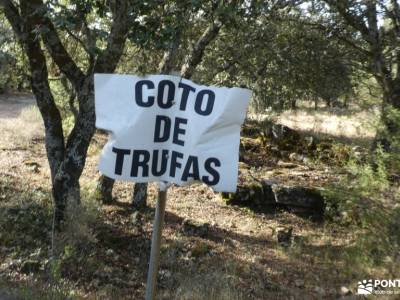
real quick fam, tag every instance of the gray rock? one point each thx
(344, 291)
(268, 193)
(299, 198)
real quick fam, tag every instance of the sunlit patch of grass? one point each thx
(20, 131)
(350, 124)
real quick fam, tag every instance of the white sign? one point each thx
(165, 128)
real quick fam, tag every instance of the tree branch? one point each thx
(54, 45)
(353, 44)
(196, 55)
(351, 19)
(109, 58)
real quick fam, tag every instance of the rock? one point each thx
(285, 237)
(299, 283)
(299, 199)
(189, 227)
(250, 129)
(284, 154)
(136, 218)
(296, 157)
(32, 166)
(165, 274)
(278, 134)
(30, 266)
(250, 194)
(249, 144)
(310, 142)
(274, 151)
(344, 291)
(286, 165)
(271, 132)
(319, 290)
(268, 194)
(281, 141)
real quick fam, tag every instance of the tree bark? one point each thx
(23, 26)
(139, 197)
(196, 55)
(104, 190)
(367, 25)
(293, 104)
(66, 159)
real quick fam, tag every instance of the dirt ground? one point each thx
(210, 250)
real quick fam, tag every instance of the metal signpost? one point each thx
(156, 242)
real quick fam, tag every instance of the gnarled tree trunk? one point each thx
(66, 157)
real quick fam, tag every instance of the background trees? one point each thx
(340, 57)
(372, 28)
(285, 51)
(283, 59)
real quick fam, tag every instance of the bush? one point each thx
(6, 63)
(364, 201)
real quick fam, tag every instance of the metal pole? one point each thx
(156, 242)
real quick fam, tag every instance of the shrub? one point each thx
(364, 201)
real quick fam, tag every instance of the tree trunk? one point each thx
(293, 104)
(66, 191)
(104, 189)
(391, 129)
(139, 197)
(346, 101)
(194, 58)
(66, 158)
(329, 102)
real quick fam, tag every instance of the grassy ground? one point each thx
(352, 126)
(210, 250)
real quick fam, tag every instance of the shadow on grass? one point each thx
(212, 264)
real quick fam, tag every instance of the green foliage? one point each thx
(364, 202)
(6, 62)
(13, 68)
(393, 156)
(61, 96)
(282, 59)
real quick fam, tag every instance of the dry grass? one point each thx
(330, 122)
(213, 287)
(20, 125)
(353, 125)
(238, 257)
